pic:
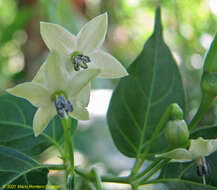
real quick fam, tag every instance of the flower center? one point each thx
(79, 60)
(63, 106)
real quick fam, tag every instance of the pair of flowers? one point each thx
(61, 85)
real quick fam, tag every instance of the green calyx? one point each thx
(177, 133)
(176, 112)
(58, 93)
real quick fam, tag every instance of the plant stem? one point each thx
(55, 166)
(161, 123)
(149, 168)
(158, 167)
(98, 179)
(206, 102)
(68, 146)
(86, 175)
(134, 187)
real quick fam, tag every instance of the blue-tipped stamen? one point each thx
(80, 61)
(63, 106)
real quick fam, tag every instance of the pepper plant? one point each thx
(146, 116)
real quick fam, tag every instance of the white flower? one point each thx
(54, 92)
(84, 49)
(199, 148)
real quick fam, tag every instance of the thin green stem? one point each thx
(164, 118)
(206, 102)
(153, 171)
(149, 168)
(89, 177)
(134, 187)
(97, 179)
(68, 146)
(55, 166)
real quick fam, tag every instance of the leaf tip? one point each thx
(158, 25)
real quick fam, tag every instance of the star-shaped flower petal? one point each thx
(84, 49)
(54, 92)
(199, 148)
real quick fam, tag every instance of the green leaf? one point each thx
(16, 116)
(139, 101)
(207, 132)
(211, 57)
(17, 168)
(178, 184)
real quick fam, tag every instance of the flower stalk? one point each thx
(68, 146)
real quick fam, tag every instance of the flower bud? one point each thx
(176, 112)
(177, 133)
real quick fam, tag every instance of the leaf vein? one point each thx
(125, 136)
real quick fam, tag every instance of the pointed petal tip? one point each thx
(36, 134)
(42, 24)
(124, 74)
(105, 14)
(8, 90)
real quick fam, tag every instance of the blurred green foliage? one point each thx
(189, 28)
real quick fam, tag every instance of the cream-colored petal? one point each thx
(110, 67)
(39, 77)
(92, 35)
(79, 112)
(198, 148)
(201, 147)
(178, 155)
(58, 38)
(83, 97)
(80, 80)
(35, 93)
(55, 74)
(42, 118)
